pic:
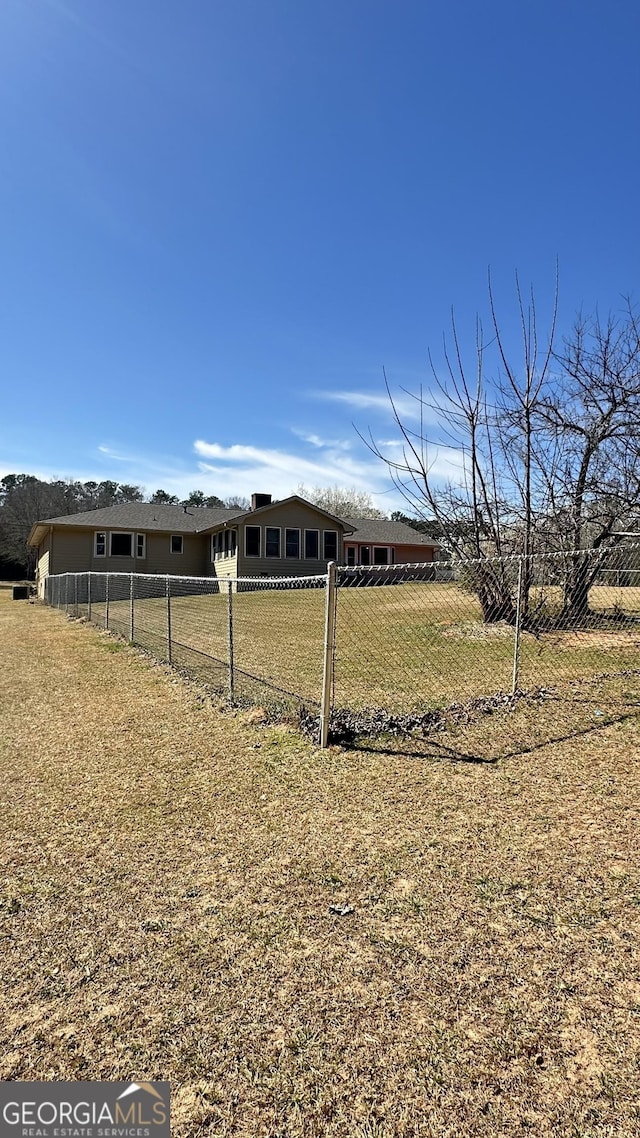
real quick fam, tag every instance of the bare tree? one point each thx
(591, 416)
(340, 501)
(25, 499)
(548, 453)
(488, 430)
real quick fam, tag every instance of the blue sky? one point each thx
(221, 219)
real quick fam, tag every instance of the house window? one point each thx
(252, 541)
(312, 543)
(272, 541)
(141, 545)
(351, 555)
(177, 543)
(234, 542)
(380, 555)
(292, 542)
(219, 544)
(330, 544)
(365, 555)
(226, 542)
(121, 545)
(100, 545)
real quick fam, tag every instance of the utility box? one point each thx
(20, 592)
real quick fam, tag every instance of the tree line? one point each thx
(26, 499)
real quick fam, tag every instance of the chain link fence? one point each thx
(253, 640)
(375, 641)
(414, 638)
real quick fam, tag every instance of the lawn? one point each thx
(402, 648)
(169, 872)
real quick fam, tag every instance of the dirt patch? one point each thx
(598, 638)
(477, 630)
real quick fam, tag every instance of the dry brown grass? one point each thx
(168, 876)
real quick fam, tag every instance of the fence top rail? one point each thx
(494, 559)
(601, 553)
(315, 577)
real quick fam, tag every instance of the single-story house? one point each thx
(287, 538)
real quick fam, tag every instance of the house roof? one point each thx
(374, 530)
(146, 516)
(150, 517)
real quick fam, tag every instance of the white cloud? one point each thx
(407, 406)
(278, 472)
(317, 441)
(109, 453)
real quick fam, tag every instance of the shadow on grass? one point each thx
(440, 752)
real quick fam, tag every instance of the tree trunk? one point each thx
(494, 593)
(576, 589)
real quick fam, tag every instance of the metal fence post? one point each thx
(230, 639)
(75, 594)
(329, 653)
(106, 602)
(89, 597)
(516, 642)
(131, 623)
(168, 619)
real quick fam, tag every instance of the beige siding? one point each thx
(221, 564)
(190, 563)
(74, 553)
(73, 549)
(44, 564)
(293, 516)
(223, 567)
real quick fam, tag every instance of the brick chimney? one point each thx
(259, 500)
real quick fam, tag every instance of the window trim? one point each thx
(103, 534)
(121, 533)
(246, 533)
(308, 556)
(177, 552)
(287, 530)
(324, 545)
(373, 551)
(277, 555)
